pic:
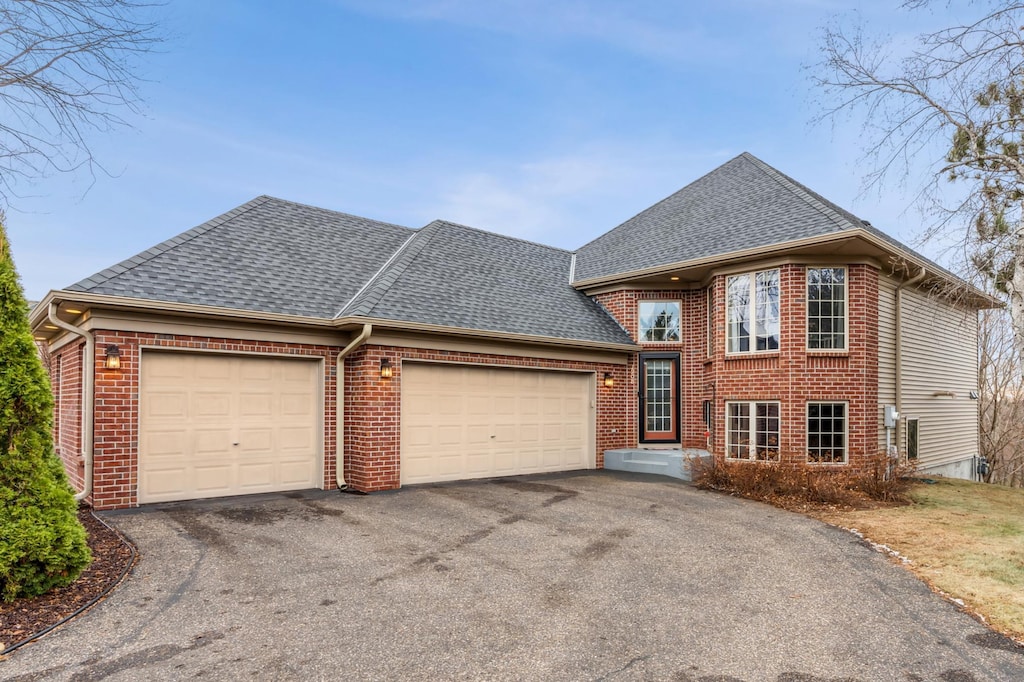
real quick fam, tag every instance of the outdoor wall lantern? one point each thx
(113, 360)
(609, 380)
(385, 368)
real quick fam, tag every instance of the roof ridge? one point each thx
(821, 204)
(370, 293)
(659, 202)
(163, 247)
(498, 234)
(331, 210)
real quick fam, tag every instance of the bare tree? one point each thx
(67, 68)
(1002, 401)
(955, 98)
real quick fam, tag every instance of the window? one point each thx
(826, 433)
(826, 308)
(912, 438)
(752, 312)
(659, 321)
(752, 431)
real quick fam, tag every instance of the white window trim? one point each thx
(639, 329)
(846, 309)
(752, 440)
(846, 431)
(753, 314)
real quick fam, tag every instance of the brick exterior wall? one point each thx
(66, 381)
(372, 420)
(373, 406)
(792, 375)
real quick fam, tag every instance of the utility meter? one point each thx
(891, 417)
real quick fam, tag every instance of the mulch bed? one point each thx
(111, 555)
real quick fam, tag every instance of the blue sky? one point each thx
(551, 120)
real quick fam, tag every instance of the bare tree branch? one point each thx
(67, 69)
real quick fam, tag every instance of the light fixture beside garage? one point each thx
(113, 360)
(609, 380)
(385, 368)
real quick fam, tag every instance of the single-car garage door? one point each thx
(463, 422)
(214, 425)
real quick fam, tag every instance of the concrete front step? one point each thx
(674, 463)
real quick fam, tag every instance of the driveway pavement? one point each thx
(592, 576)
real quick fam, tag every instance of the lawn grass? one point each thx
(966, 539)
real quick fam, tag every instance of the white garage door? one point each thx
(474, 422)
(214, 425)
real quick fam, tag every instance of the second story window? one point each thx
(826, 308)
(752, 312)
(659, 321)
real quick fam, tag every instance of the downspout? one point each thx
(88, 387)
(339, 380)
(899, 347)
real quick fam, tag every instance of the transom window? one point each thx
(752, 312)
(752, 431)
(659, 321)
(826, 308)
(826, 432)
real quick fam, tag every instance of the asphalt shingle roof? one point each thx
(267, 255)
(458, 276)
(743, 204)
(275, 256)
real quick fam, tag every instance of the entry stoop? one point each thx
(674, 463)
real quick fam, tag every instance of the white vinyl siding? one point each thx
(940, 355)
(886, 352)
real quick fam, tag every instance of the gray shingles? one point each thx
(466, 278)
(740, 205)
(267, 255)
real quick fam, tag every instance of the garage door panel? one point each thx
(213, 425)
(473, 422)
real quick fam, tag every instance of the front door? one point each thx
(659, 398)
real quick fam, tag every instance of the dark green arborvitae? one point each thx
(42, 543)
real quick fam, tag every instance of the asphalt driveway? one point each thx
(593, 576)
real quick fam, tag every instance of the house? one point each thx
(281, 346)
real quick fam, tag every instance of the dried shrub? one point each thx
(795, 486)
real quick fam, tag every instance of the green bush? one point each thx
(42, 543)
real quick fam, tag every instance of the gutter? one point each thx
(88, 389)
(899, 345)
(339, 389)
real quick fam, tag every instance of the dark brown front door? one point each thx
(659, 398)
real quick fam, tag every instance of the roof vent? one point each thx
(866, 222)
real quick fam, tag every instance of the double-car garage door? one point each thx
(461, 422)
(213, 425)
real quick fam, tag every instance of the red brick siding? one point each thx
(793, 375)
(372, 408)
(66, 381)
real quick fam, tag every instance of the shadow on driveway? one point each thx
(583, 576)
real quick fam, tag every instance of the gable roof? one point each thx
(267, 255)
(275, 256)
(743, 204)
(457, 276)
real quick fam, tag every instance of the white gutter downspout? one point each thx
(899, 346)
(88, 387)
(339, 381)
